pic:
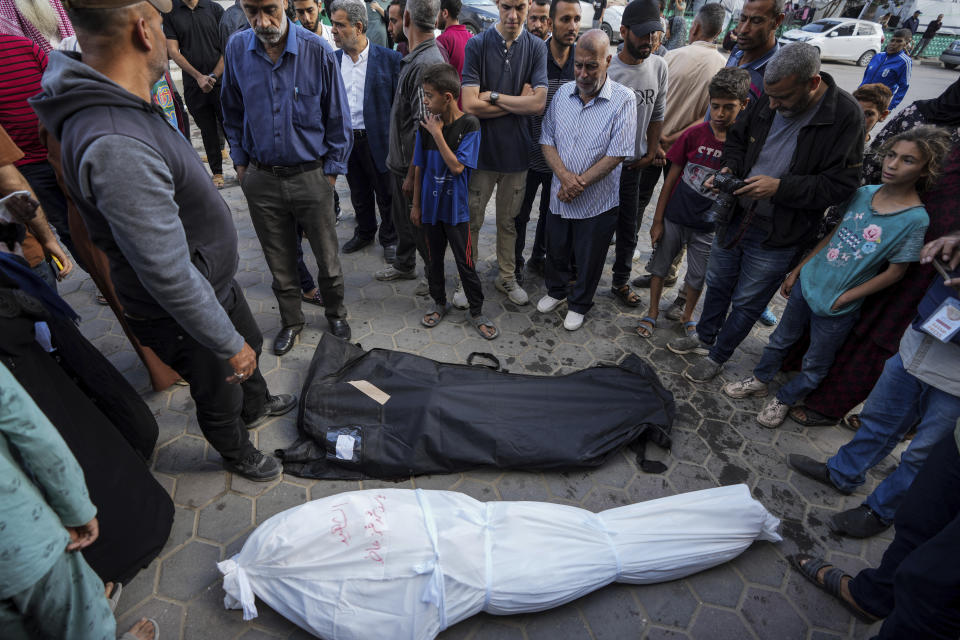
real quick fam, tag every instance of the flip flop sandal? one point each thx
(689, 329)
(482, 321)
(643, 331)
(807, 417)
(314, 299)
(441, 312)
(809, 567)
(114, 597)
(101, 299)
(156, 632)
(852, 421)
(626, 295)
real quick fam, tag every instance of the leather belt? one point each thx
(281, 171)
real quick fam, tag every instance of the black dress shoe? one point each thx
(275, 406)
(286, 339)
(862, 522)
(340, 328)
(814, 470)
(356, 243)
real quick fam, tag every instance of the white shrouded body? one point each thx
(396, 563)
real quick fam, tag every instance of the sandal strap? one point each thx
(811, 566)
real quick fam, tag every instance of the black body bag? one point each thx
(387, 414)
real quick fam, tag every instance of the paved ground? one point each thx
(716, 442)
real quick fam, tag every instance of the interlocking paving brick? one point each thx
(669, 603)
(612, 613)
(720, 624)
(279, 498)
(196, 489)
(771, 615)
(225, 518)
(721, 586)
(188, 571)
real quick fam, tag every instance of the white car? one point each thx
(611, 20)
(840, 39)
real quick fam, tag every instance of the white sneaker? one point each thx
(573, 321)
(460, 298)
(513, 290)
(636, 255)
(745, 388)
(548, 304)
(773, 414)
(423, 288)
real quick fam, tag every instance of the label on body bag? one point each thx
(944, 323)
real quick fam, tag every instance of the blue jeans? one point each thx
(897, 402)
(743, 277)
(827, 334)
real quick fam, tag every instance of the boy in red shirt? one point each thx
(680, 219)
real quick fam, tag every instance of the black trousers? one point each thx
(585, 243)
(43, 180)
(535, 180)
(222, 408)
(916, 588)
(370, 189)
(207, 113)
(410, 238)
(457, 236)
(636, 189)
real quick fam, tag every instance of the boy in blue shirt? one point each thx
(892, 67)
(447, 146)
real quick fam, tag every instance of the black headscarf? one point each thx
(944, 110)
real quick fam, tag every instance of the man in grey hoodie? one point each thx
(149, 205)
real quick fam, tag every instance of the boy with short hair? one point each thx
(446, 151)
(681, 216)
(875, 100)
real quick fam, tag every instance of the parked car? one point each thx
(951, 55)
(611, 20)
(840, 39)
(478, 15)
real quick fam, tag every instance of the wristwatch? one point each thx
(494, 96)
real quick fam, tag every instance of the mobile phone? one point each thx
(945, 271)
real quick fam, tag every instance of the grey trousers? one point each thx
(410, 238)
(277, 205)
(67, 603)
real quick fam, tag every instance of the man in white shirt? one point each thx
(370, 73)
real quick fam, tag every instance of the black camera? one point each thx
(724, 203)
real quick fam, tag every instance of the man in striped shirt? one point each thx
(590, 128)
(23, 65)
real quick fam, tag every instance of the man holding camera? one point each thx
(797, 151)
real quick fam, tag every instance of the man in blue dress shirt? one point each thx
(287, 118)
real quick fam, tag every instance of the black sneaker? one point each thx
(275, 406)
(255, 466)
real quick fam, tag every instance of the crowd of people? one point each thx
(772, 181)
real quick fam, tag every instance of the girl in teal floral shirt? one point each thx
(881, 233)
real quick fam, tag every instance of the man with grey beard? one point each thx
(44, 22)
(287, 118)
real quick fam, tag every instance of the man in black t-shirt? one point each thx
(928, 35)
(193, 42)
(598, 8)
